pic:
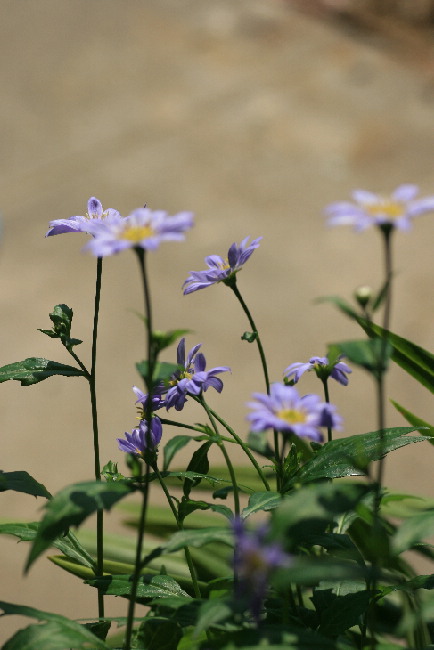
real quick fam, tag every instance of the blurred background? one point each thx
(253, 114)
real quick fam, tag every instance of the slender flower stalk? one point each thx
(92, 388)
(148, 419)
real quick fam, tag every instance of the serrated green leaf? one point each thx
(71, 507)
(351, 456)
(55, 633)
(35, 369)
(262, 501)
(22, 482)
(149, 586)
(172, 447)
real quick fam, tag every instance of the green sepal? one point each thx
(22, 482)
(35, 369)
(70, 507)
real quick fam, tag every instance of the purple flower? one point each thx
(157, 399)
(323, 368)
(94, 215)
(136, 441)
(254, 562)
(283, 409)
(143, 228)
(219, 269)
(396, 210)
(192, 378)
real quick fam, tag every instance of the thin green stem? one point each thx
(222, 447)
(232, 283)
(327, 399)
(180, 526)
(92, 388)
(243, 446)
(140, 252)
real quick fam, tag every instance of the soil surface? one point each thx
(253, 116)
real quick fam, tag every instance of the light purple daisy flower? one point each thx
(323, 368)
(136, 441)
(192, 378)
(95, 214)
(368, 209)
(255, 560)
(143, 228)
(219, 269)
(283, 409)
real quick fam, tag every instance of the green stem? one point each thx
(232, 283)
(327, 399)
(222, 447)
(243, 446)
(180, 526)
(92, 388)
(140, 252)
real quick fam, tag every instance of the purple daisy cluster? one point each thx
(220, 269)
(255, 560)
(337, 370)
(286, 411)
(113, 233)
(369, 209)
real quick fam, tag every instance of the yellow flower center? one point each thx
(137, 233)
(292, 416)
(185, 374)
(224, 266)
(392, 209)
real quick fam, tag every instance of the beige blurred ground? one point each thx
(252, 116)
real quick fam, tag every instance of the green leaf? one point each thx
(210, 613)
(158, 633)
(61, 317)
(198, 538)
(162, 340)
(262, 501)
(419, 363)
(162, 370)
(22, 482)
(343, 612)
(250, 337)
(71, 507)
(414, 530)
(55, 633)
(172, 447)
(68, 545)
(351, 456)
(340, 303)
(364, 353)
(149, 586)
(34, 369)
(423, 427)
(199, 463)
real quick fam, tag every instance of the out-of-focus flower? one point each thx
(157, 398)
(219, 269)
(369, 209)
(283, 409)
(143, 228)
(323, 368)
(136, 441)
(255, 559)
(192, 378)
(95, 214)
